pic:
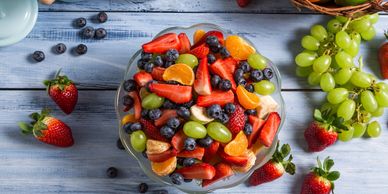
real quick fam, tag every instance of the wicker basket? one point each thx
(369, 7)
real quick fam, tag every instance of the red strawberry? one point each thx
(320, 180)
(137, 104)
(142, 78)
(198, 171)
(237, 120)
(269, 129)
(185, 43)
(274, 168)
(243, 3)
(233, 160)
(63, 91)
(162, 44)
(217, 34)
(222, 171)
(162, 156)
(216, 97)
(225, 69)
(256, 123)
(202, 79)
(151, 131)
(178, 140)
(48, 129)
(198, 153)
(211, 151)
(176, 93)
(157, 73)
(166, 115)
(200, 51)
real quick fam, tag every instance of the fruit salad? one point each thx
(200, 109)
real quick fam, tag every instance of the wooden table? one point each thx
(28, 166)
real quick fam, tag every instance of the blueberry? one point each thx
(146, 56)
(188, 180)
(158, 61)
(154, 114)
(172, 55)
(135, 127)
(256, 75)
(238, 74)
(189, 144)
(229, 108)
(80, 22)
(88, 32)
(214, 111)
(128, 101)
(211, 58)
(188, 104)
(143, 187)
(245, 66)
(224, 118)
(168, 104)
(251, 112)
(250, 88)
(212, 41)
(225, 85)
(242, 82)
(176, 178)
(144, 113)
(127, 128)
(81, 49)
(162, 191)
(173, 123)
(167, 132)
(168, 64)
(102, 17)
(215, 80)
(216, 49)
(100, 33)
(248, 129)
(141, 63)
(38, 56)
(129, 85)
(60, 48)
(205, 142)
(119, 144)
(224, 52)
(188, 161)
(112, 172)
(148, 67)
(183, 112)
(268, 73)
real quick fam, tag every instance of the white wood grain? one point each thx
(29, 166)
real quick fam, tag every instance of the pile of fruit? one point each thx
(203, 110)
(353, 96)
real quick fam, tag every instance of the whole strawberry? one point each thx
(275, 167)
(320, 180)
(48, 129)
(63, 91)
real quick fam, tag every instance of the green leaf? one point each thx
(318, 115)
(286, 149)
(290, 168)
(319, 163)
(35, 116)
(328, 164)
(25, 127)
(332, 176)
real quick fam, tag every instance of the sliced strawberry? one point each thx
(198, 153)
(198, 171)
(269, 129)
(178, 140)
(216, 97)
(233, 160)
(256, 123)
(162, 156)
(201, 51)
(162, 44)
(185, 43)
(202, 83)
(176, 93)
(136, 104)
(222, 171)
(217, 34)
(210, 152)
(225, 69)
(142, 78)
(151, 131)
(157, 73)
(237, 120)
(166, 115)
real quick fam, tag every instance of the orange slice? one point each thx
(251, 161)
(164, 168)
(181, 73)
(247, 99)
(238, 146)
(238, 47)
(129, 118)
(198, 34)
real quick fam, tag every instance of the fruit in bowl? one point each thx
(208, 109)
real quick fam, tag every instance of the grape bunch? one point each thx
(329, 61)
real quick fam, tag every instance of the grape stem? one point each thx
(360, 63)
(346, 24)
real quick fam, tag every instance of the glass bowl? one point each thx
(195, 187)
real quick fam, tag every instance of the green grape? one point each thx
(361, 25)
(327, 82)
(353, 48)
(310, 43)
(349, 86)
(343, 76)
(356, 37)
(368, 101)
(331, 107)
(264, 87)
(152, 101)
(194, 129)
(322, 63)
(374, 129)
(382, 86)
(303, 71)
(346, 109)
(343, 59)
(373, 18)
(337, 95)
(314, 53)
(314, 78)
(365, 116)
(257, 61)
(304, 59)
(379, 112)
(342, 39)
(382, 98)
(219, 132)
(369, 34)
(361, 79)
(346, 135)
(334, 26)
(359, 129)
(342, 19)
(187, 59)
(319, 32)
(138, 141)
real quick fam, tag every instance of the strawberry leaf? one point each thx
(332, 176)
(290, 168)
(25, 127)
(285, 150)
(328, 163)
(318, 115)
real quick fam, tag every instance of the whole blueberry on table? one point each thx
(189, 144)
(100, 33)
(80, 22)
(160, 192)
(205, 142)
(129, 85)
(154, 114)
(245, 66)
(225, 85)
(214, 111)
(229, 108)
(88, 32)
(60, 48)
(143, 187)
(268, 73)
(81, 49)
(211, 58)
(112, 172)
(173, 123)
(183, 112)
(102, 17)
(248, 129)
(176, 178)
(172, 55)
(256, 75)
(119, 144)
(167, 132)
(38, 56)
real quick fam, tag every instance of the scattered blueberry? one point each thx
(225, 85)
(216, 49)
(188, 161)
(205, 142)
(144, 113)
(173, 123)
(211, 58)
(102, 17)
(238, 74)
(128, 101)
(160, 191)
(248, 129)
(245, 66)
(183, 112)
(172, 55)
(176, 178)
(88, 32)
(158, 61)
(112, 172)
(242, 82)
(224, 52)
(119, 144)
(80, 22)
(100, 33)
(81, 49)
(127, 128)
(148, 67)
(168, 104)
(250, 88)
(212, 41)
(143, 187)
(167, 132)
(214, 111)
(136, 127)
(268, 73)
(224, 118)
(215, 80)
(256, 75)
(146, 56)
(141, 63)
(60, 48)
(38, 56)
(229, 108)
(154, 114)
(189, 144)
(251, 112)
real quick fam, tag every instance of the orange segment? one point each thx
(247, 99)
(238, 146)
(238, 47)
(198, 34)
(164, 168)
(129, 118)
(251, 161)
(181, 73)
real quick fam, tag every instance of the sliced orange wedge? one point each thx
(247, 99)
(198, 34)
(238, 146)
(238, 47)
(129, 118)
(181, 73)
(164, 168)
